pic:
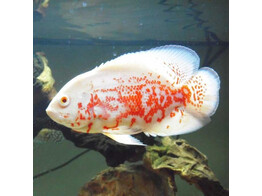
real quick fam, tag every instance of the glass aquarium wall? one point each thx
(76, 36)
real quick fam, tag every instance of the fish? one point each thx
(159, 92)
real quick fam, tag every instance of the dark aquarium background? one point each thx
(76, 36)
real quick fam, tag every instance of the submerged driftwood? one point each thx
(178, 157)
(156, 176)
(161, 162)
(40, 7)
(130, 180)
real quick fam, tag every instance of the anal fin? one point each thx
(124, 139)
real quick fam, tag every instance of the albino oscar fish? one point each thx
(160, 92)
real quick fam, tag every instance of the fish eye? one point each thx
(64, 101)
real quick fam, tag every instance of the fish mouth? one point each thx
(58, 118)
(53, 115)
(50, 113)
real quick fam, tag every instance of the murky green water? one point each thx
(76, 36)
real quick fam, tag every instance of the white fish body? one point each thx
(160, 91)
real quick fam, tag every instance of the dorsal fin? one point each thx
(176, 63)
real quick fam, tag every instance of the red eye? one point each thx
(64, 101)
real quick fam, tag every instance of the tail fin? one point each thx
(204, 86)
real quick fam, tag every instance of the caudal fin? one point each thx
(204, 86)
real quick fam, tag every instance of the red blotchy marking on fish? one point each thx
(133, 120)
(182, 95)
(72, 124)
(80, 105)
(115, 126)
(172, 114)
(182, 113)
(162, 98)
(81, 116)
(143, 98)
(198, 91)
(96, 102)
(89, 127)
(78, 123)
(109, 99)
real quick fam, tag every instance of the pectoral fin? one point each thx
(124, 139)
